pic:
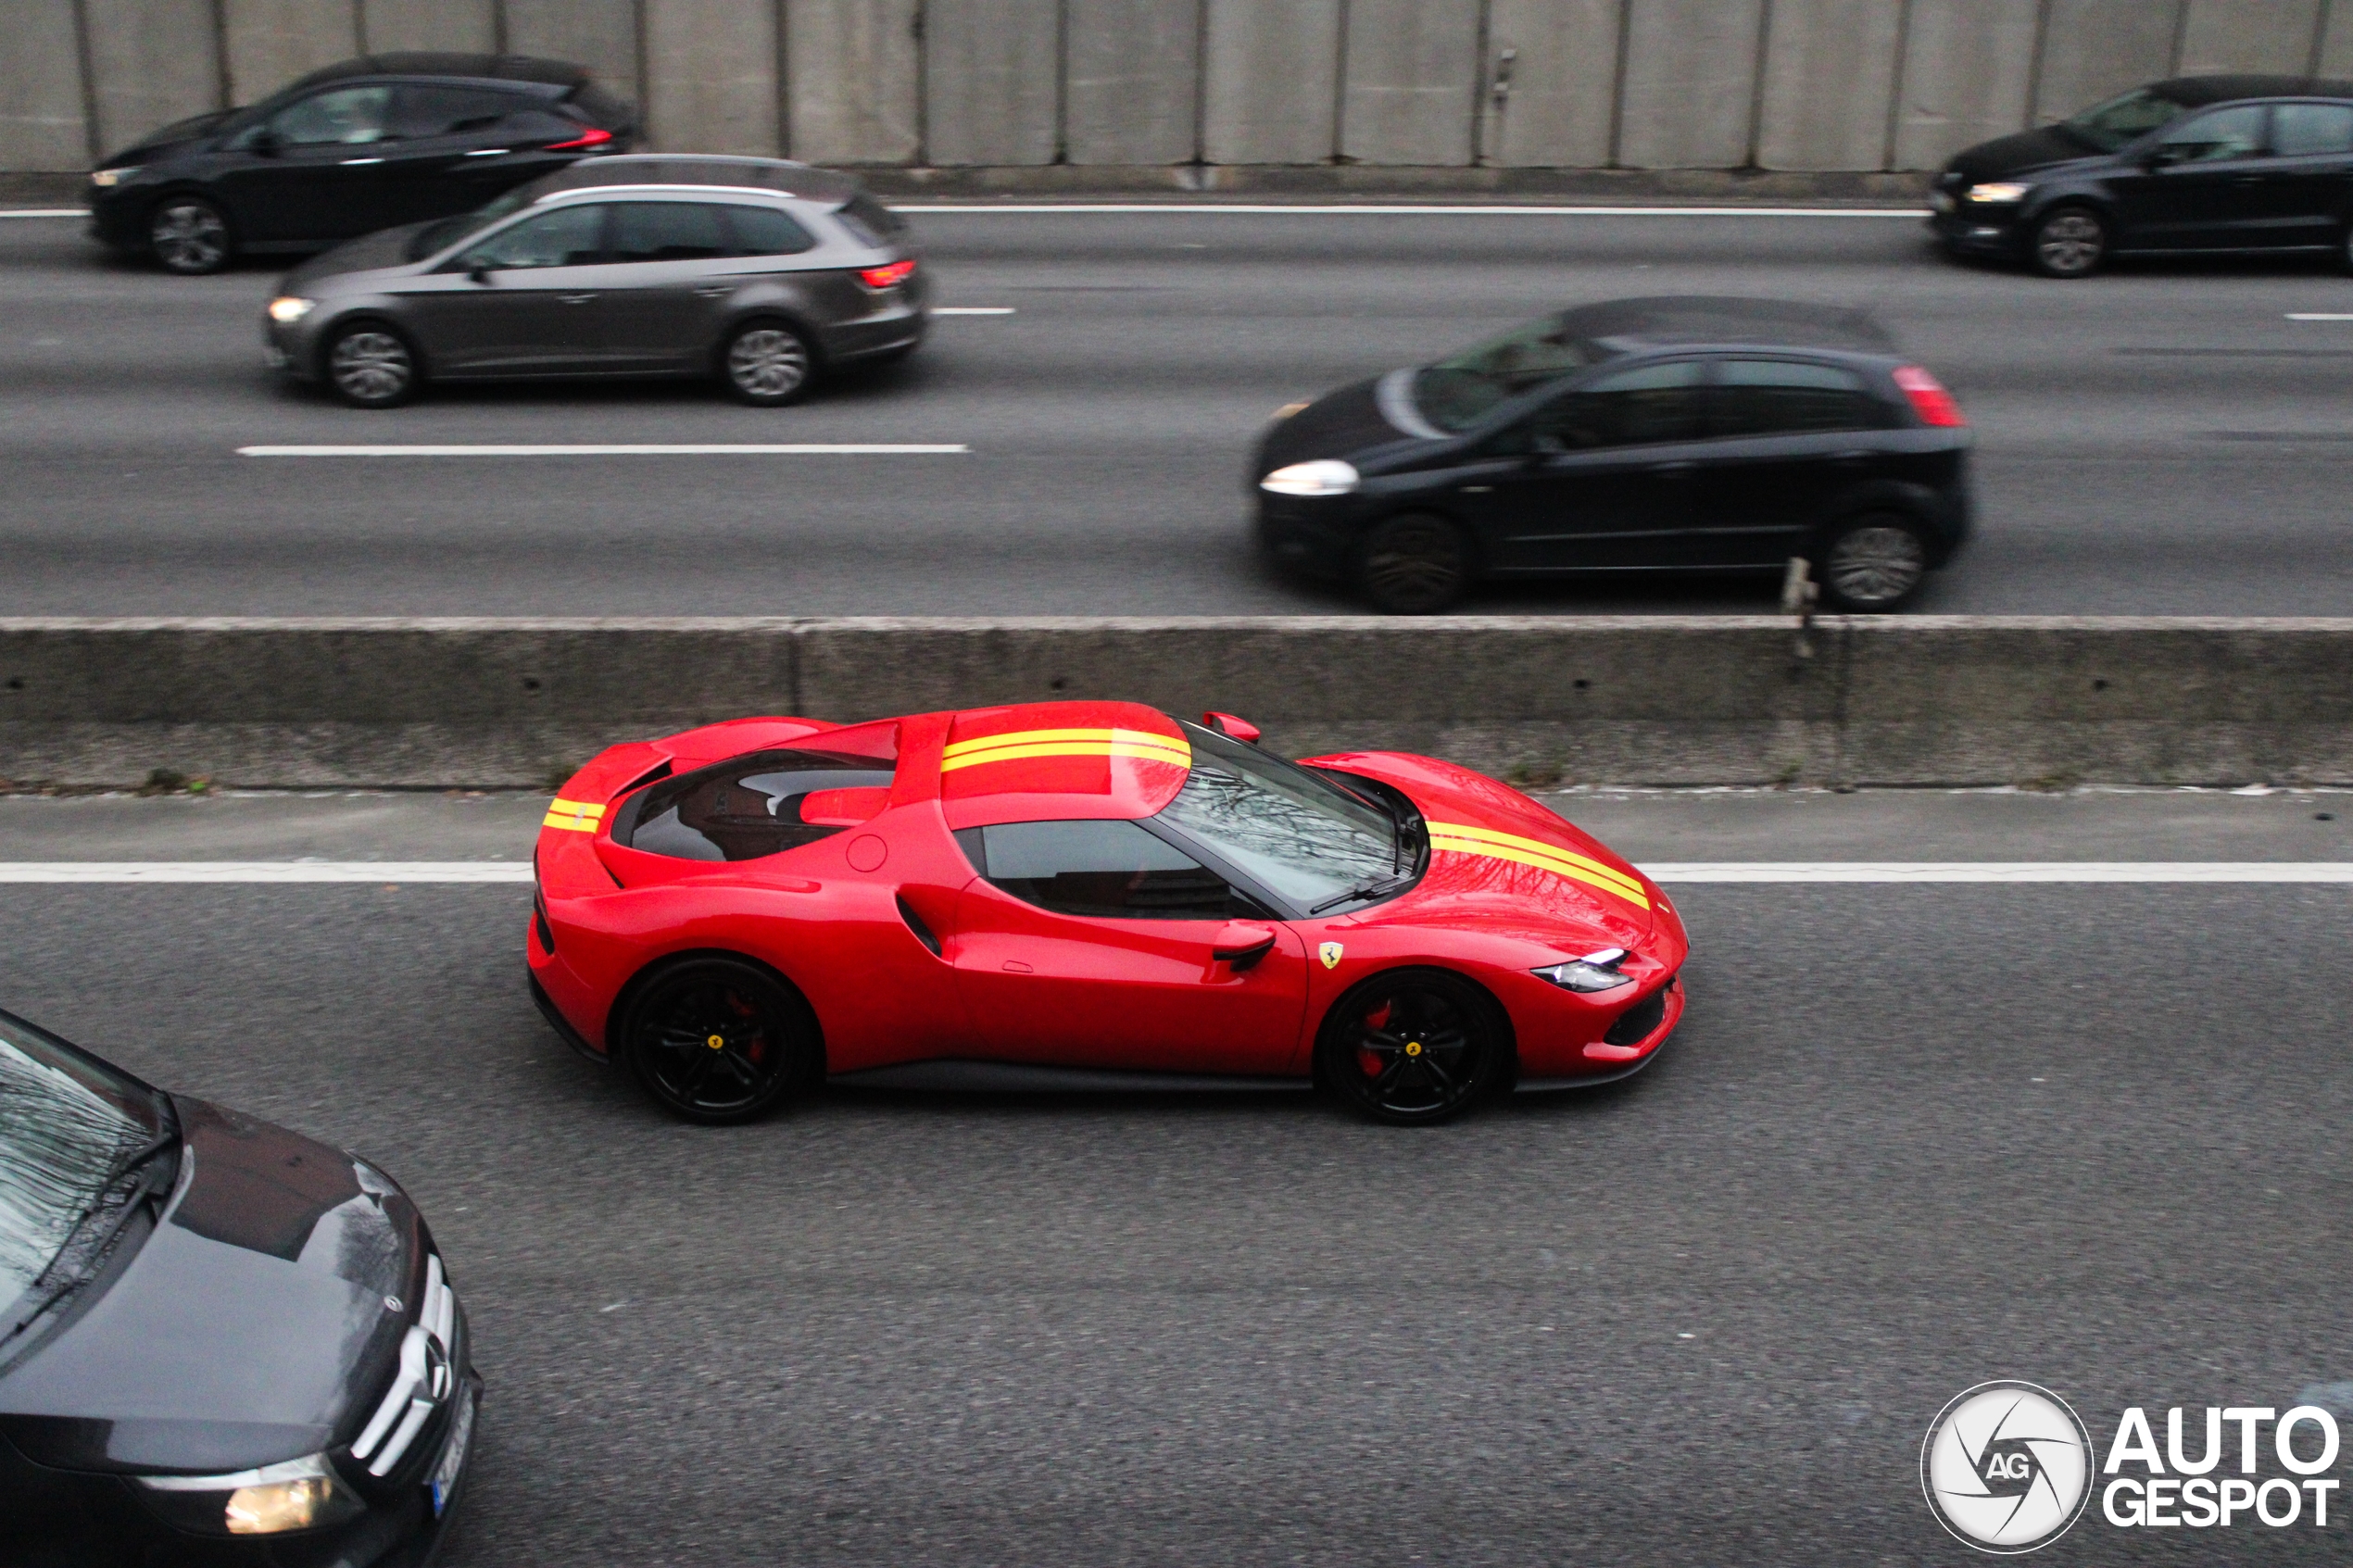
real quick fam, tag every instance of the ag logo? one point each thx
(2006, 1467)
(1329, 952)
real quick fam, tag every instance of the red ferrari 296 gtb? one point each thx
(1076, 894)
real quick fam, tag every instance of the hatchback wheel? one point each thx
(1872, 564)
(718, 1040)
(1412, 1046)
(1414, 565)
(767, 364)
(188, 235)
(2070, 242)
(370, 366)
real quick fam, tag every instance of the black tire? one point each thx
(369, 365)
(1413, 1047)
(767, 364)
(2068, 242)
(1414, 565)
(769, 1044)
(1871, 564)
(190, 235)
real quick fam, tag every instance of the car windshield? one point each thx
(1459, 391)
(1301, 838)
(465, 225)
(2126, 118)
(67, 1126)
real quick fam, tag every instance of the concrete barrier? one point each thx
(1903, 701)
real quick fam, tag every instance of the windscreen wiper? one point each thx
(1373, 889)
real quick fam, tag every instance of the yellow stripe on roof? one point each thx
(1552, 863)
(1040, 737)
(1071, 748)
(1537, 846)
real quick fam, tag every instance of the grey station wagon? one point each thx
(761, 273)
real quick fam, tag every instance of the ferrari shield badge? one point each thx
(1329, 953)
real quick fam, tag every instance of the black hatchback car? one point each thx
(221, 1343)
(1635, 435)
(351, 149)
(2198, 164)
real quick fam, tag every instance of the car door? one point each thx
(446, 135)
(1095, 944)
(2201, 185)
(679, 263)
(519, 301)
(2311, 172)
(1786, 435)
(1600, 476)
(314, 170)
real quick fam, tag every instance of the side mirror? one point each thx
(479, 271)
(1240, 944)
(1227, 725)
(2161, 157)
(266, 142)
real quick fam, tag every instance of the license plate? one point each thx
(453, 1456)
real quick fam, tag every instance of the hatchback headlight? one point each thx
(1594, 971)
(1998, 192)
(301, 1493)
(107, 179)
(286, 309)
(1325, 476)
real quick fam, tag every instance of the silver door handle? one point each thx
(715, 291)
(350, 162)
(490, 152)
(575, 298)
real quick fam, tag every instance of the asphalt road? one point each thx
(1909, 1138)
(2162, 440)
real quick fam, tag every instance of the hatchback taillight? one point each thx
(889, 277)
(592, 137)
(1929, 400)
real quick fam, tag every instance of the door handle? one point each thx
(490, 152)
(715, 291)
(1850, 459)
(575, 298)
(2247, 180)
(355, 162)
(1674, 471)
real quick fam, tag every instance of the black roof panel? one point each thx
(419, 62)
(1673, 319)
(2199, 91)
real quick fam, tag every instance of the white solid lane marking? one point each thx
(625, 449)
(972, 309)
(1393, 209)
(2321, 315)
(46, 212)
(1678, 873)
(265, 871)
(2001, 871)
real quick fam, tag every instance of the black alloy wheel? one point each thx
(767, 364)
(370, 366)
(720, 1040)
(1414, 565)
(188, 235)
(2071, 241)
(1872, 564)
(1413, 1046)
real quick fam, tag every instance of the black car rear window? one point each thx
(742, 809)
(438, 110)
(871, 222)
(1777, 397)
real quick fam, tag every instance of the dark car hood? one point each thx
(386, 247)
(1335, 425)
(2021, 154)
(171, 139)
(247, 1324)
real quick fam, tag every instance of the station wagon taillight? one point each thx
(592, 137)
(1929, 400)
(889, 277)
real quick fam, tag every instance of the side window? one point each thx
(670, 231)
(566, 237)
(348, 115)
(1637, 407)
(1772, 396)
(764, 231)
(2311, 129)
(421, 109)
(2210, 138)
(749, 807)
(1103, 870)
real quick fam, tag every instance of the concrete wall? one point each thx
(1812, 85)
(1713, 699)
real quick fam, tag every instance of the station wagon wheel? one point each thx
(1872, 564)
(1412, 1046)
(188, 235)
(2070, 242)
(719, 1040)
(1414, 565)
(370, 366)
(767, 364)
